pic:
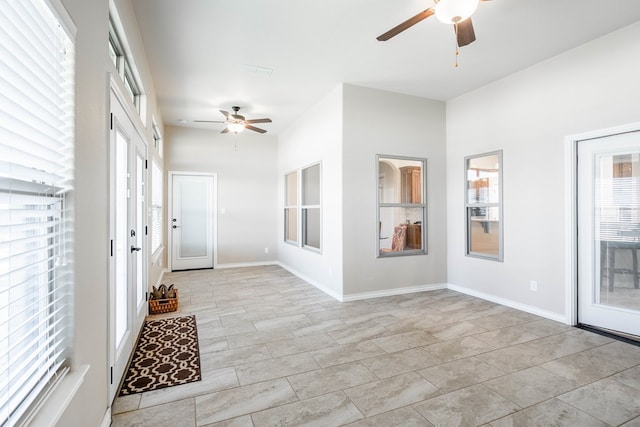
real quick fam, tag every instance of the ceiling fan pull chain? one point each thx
(455, 25)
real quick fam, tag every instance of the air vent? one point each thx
(254, 69)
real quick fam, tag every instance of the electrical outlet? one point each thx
(266, 250)
(534, 286)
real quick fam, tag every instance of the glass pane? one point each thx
(139, 238)
(291, 189)
(400, 229)
(121, 237)
(400, 180)
(193, 214)
(484, 230)
(311, 227)
(483, 179)
(311, 185)
(291, 224)
(617, 226)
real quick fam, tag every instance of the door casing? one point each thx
(124, 120)
(571, 211)
(170, 215)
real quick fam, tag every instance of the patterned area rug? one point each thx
(167, 354)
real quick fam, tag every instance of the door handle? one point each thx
(134, 249)
(175, 226)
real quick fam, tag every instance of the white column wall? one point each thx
(316, 137)
(528, 115)
(247, 191)
(379, 122)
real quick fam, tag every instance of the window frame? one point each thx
(124, 65)
(305, 208)
(157, 207)
(301, 210)
(291, 207)
(157, 137)
(38, 177)
(468, 205)
(402, 205)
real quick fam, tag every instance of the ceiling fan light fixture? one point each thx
(452, 11)
(235, 127)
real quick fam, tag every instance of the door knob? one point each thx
(134, 249)
(175, 226)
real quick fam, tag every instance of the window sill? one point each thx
(56, 403)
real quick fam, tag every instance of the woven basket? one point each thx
(158, 306)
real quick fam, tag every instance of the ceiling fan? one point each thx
(236, 122)
(456, 12)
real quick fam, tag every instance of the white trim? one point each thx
(57, 402)
(156, 255)
(570, 212)
(312, 282)
(106, 420)
(63, 15)
(159, 281)
(245, 264)
(393, 292)
(509, 303)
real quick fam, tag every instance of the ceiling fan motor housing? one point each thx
(454, 11)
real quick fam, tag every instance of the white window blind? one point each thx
(156, 206)
(36, 171)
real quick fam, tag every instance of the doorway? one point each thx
(191, 220)
(127, 246)
(608, 242)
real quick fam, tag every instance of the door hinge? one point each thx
(111, 122)
(111, 375)
(111, 244)
(146, 296)
(146, 164)
(146, 230)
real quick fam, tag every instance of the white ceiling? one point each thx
(196, 49)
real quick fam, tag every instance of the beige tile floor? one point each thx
(275, 351)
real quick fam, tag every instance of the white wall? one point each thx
(91, 198)
(527, 115)
(379, 122)
(247, 187)
(316, 136)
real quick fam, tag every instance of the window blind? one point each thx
(36, 172)
(156, 206)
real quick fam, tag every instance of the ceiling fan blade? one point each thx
(258, 121)
(406, 24)
(464, 32)
(255, 129)
(225, 130)
(209, 121)
(225, 113)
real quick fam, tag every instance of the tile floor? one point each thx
(275, 351)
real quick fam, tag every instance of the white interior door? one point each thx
(127, 266)
(609, 232)
(191, 221)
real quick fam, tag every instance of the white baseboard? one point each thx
(407, 290)
(106, 421)
(510, 303)
(312, 282)
(392, 292)
(244, 264)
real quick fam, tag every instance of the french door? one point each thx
(127, 266)
(609, 232)
(192, 220)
